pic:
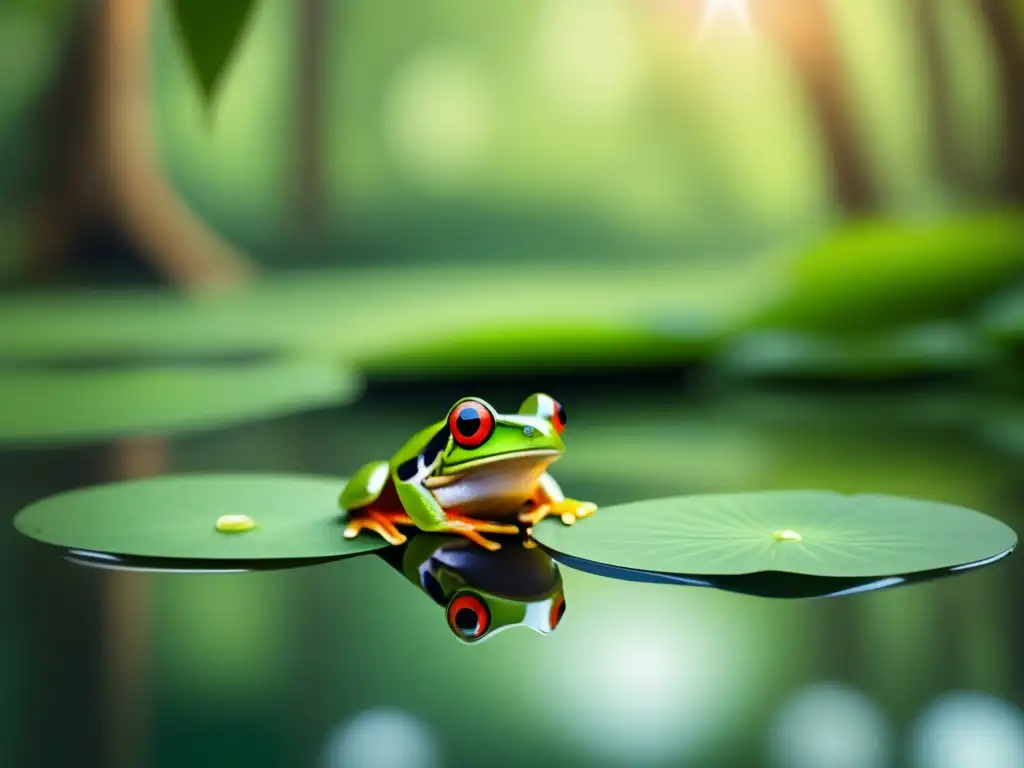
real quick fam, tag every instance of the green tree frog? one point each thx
(474, 472)
(483, 593)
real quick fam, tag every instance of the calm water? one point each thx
(349, 664)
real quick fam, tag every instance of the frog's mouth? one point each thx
(532, 457)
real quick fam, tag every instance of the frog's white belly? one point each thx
(491, 490)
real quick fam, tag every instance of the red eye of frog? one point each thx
(558, 416)
(468, 617)
(471, 423)
(557, 611)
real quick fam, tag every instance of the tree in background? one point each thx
(1002, 27)
(102, 175)
(947, 153)
(805, 34)
(1002, 22)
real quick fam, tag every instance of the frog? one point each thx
(482, 593)
(474, 472)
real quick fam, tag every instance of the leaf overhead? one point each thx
(175, 516)
(210, 33)
(816, 533)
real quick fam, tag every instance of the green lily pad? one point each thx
(921, 350)
(175, 516)
(47, 406)
(774, 584)
(817, 533)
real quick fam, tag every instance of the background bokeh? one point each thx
(749, 245)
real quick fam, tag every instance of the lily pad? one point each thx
(775, 584)
(174, 516)
(41, 406)
(817, 533)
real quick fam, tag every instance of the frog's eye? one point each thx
(557, 611)
(546, 407)
(558, 416)
(471, 423)
(468, 617)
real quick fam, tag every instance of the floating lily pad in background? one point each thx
(40, 406)
(879, 274)
(400, 317)
(916, 351)
(817, 533)
(175, 516)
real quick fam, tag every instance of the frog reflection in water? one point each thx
(475, 472)
(483, 592)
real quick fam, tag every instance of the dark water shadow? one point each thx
(773, 584)
(140, 564)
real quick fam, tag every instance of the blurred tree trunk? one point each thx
(947, 154)
(805, 34)
(999, 18)
(126, 623)
(309, 185)
(102, 170)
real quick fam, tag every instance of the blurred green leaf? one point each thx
(404, 319)
(541, 348)
(210, 33)
(817, 533)
(1002, 317)
(73, 406)
(883, 273)
(296, 516)
(926, 349)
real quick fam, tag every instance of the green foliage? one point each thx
(1002, 317)
(72, 406)
(210, 33)
(923, 350)
(818, 533)
(174, 516)
(883, 273)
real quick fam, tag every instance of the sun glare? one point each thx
(718, 12)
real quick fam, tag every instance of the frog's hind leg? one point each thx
(472, 529)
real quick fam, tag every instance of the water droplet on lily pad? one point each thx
(816, 533)
(235, 523)
(172, 516)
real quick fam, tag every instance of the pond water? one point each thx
(348, 663)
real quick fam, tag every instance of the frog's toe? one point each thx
(571, 510)
(383, 528)
(471, 529)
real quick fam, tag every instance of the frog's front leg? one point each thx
(423, 508)
(548, 499)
